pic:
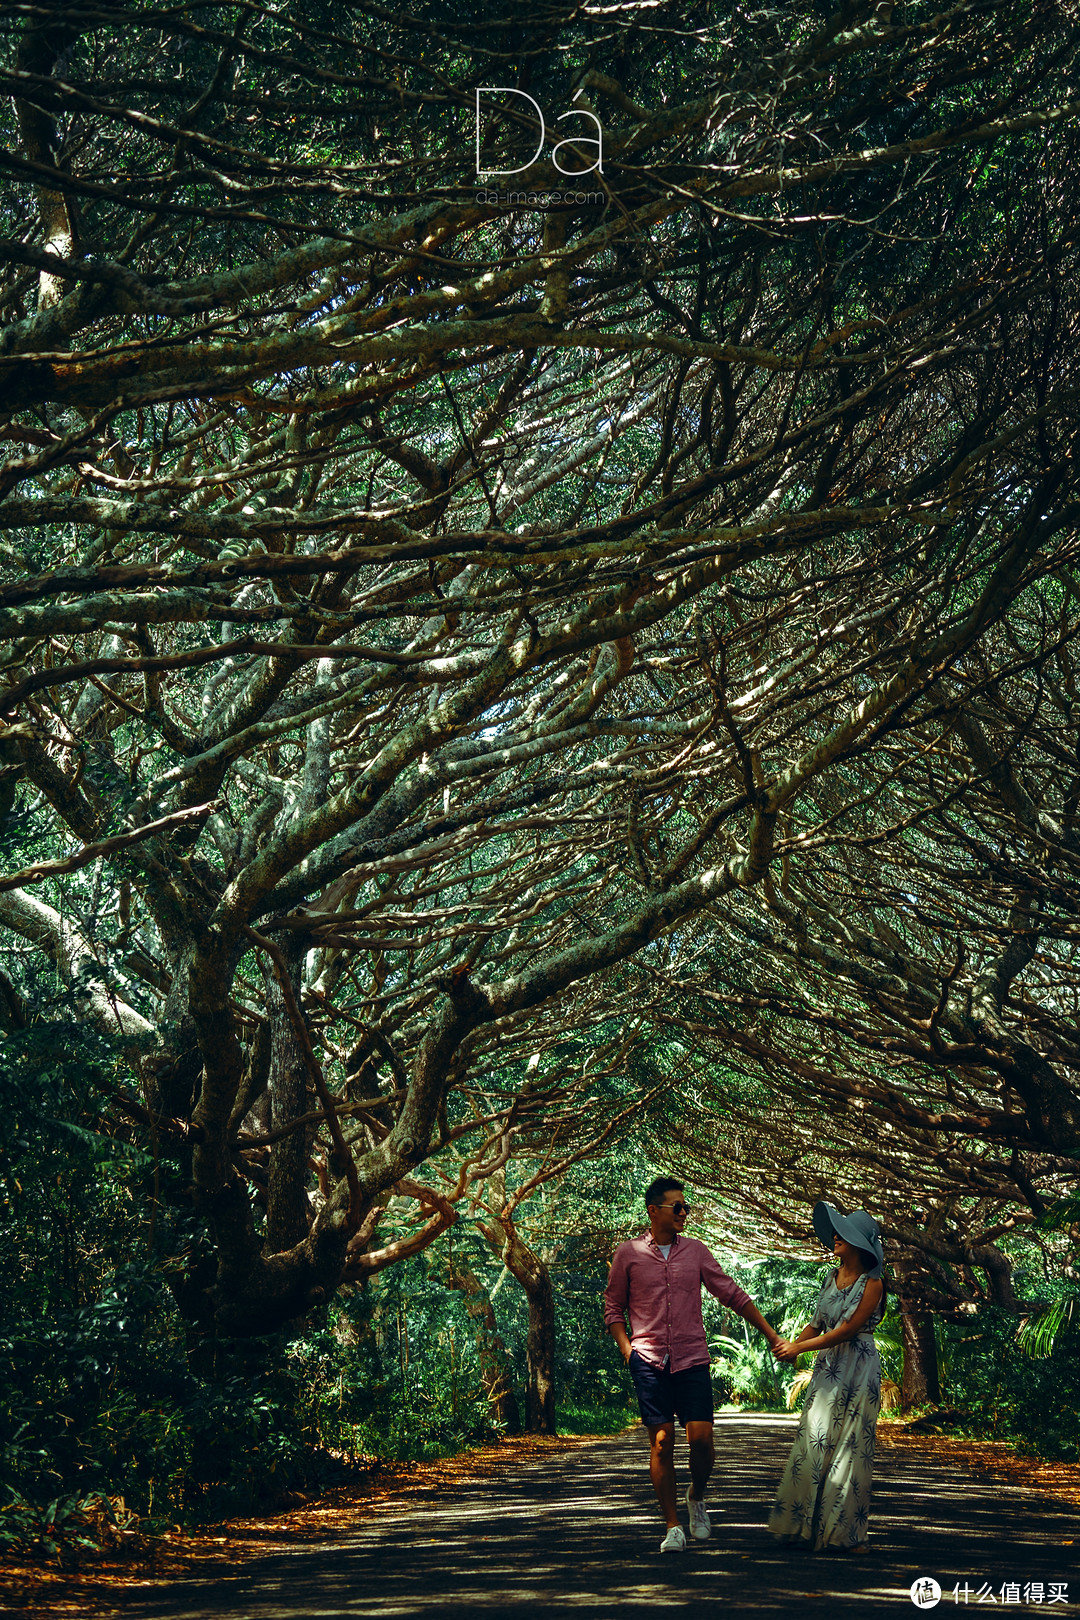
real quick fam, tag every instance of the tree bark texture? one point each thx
(496, 1375)
(920, 1384)
(287, 1204)
(539, 1351)
(534, 1277)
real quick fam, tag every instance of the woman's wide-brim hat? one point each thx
(859, 1229)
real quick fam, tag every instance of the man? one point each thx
(657, 1279)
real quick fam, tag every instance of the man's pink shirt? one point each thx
(663, 1298)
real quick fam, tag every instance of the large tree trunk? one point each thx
(540, 1351)
(920, 1385)
(496, 1377)
(535, 1279)
(287, 1205)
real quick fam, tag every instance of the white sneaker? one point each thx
(675, 1540)
(700, 1528)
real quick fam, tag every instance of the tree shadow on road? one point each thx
(580, 1531)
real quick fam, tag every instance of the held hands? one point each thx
(784, 1350)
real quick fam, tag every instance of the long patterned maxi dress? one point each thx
(824, 1496)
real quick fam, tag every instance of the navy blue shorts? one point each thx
(663, 1395)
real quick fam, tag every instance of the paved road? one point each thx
(578, 1532)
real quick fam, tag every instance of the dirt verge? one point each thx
(987, 1459)
(52, 1593)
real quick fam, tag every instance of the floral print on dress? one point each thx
(824, 1496)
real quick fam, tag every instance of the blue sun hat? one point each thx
(859, 1229)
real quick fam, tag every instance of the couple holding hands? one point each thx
(823, 1501)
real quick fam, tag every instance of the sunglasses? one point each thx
(677, 1209)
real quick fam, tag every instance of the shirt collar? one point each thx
(652, 1243)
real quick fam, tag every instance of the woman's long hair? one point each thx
(869, 1261)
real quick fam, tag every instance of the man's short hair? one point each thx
(655, 1191)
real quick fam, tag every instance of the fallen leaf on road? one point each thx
(1056, 1480)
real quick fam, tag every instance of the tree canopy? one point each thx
(475, 658)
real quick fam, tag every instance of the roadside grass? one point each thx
(574, 1417)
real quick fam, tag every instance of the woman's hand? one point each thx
(784, 1350)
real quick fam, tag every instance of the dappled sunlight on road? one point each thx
(580, 1531)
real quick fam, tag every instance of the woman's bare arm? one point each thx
(855, 1324)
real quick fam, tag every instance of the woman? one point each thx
(824, 1496)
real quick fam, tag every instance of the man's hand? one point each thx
(622, 1339)
(784, 1350)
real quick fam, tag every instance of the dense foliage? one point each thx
(111, 1423)
(113, 1414)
